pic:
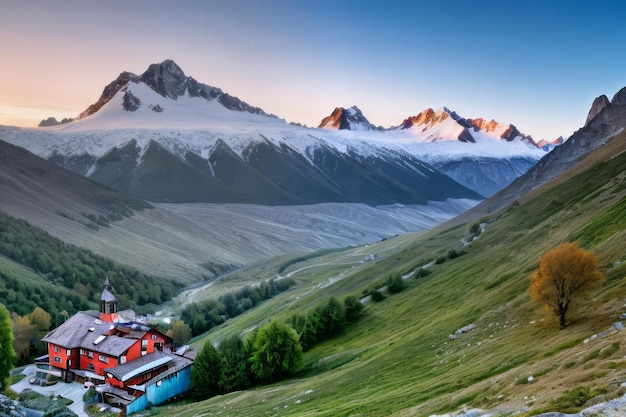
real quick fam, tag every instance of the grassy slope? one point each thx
(398, 360)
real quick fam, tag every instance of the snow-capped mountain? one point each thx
(166, 137)
(492, 154)
(347, 119)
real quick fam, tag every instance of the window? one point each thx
(154, 337)
(68, 352)
(103, 359)
(144, 343)
(90, 354)
(122, 360)
(57, 359)
(56, 349)
(82, 352)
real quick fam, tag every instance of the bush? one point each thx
(353, 308)
(572, 400)
(60, 412)
(377, 296)
(90, 396)
(395, 284)
(440, 260)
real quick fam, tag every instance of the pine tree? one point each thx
(205, 372)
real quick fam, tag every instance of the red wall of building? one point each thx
(61, 357)
(90, 357)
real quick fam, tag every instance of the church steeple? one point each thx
(108, 303)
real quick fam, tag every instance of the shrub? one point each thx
(572, 400)
(377, 296)
(353, 308)
(395, 284)
(90, 396)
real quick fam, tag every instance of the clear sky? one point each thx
(535, 63)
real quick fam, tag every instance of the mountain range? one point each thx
(166, 137)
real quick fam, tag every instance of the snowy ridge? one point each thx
(195, 124)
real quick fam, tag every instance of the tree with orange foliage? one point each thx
(565, 273)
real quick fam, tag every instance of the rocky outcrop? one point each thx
(109, 91)
(426, 117)
(347, 119)
(598, 105)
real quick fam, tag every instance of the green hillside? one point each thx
(37, 269)
(399, 360)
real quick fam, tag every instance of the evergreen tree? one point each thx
(333, 318)
(233, 364)
(205, 372)
(7, 355)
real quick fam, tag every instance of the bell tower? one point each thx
(108, 303)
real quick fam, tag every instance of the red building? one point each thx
(115, 348)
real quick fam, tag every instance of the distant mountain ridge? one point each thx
(213, 147)
(429, 125)
(605, 121)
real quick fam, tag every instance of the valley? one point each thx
(399, 359)
(176, 185)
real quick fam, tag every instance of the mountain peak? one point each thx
(598, 105)
(169, 80)
(619, 98)
(166, 78)
(346, 119)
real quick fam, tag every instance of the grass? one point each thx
(398, 359)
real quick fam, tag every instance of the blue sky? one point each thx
(536, 64)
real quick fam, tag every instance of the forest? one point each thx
(71, 277)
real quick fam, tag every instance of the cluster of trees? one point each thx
(270, 354)
(22, 297)
(325, 321)
(203, 316)
(76, 268)
(27, 333)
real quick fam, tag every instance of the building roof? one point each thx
(108, 344)
(71, 333)
(177, 363)
(107, 296)
(88, 332)
(139, 366)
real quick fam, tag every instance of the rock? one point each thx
(598, 105)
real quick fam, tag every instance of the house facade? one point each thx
(119, 352)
